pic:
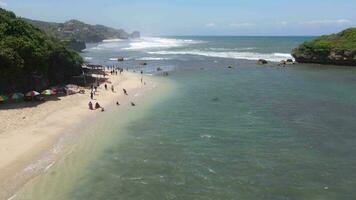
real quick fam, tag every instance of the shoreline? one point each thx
(30, 136)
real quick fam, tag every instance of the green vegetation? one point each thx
(345, 40)
(78, 32)
(339, 49)
(29, 59)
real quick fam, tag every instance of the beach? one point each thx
(28, 131)
(205, 131)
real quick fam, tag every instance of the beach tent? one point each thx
(3, 98)
(32, 94)
(48, 92)
(17, 96)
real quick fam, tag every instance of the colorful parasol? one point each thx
(32, 94)
(3, 98)
(17, 96)
(48, 92)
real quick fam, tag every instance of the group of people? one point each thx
(116, 71)
(94, 89)
(97, 106)
(112, 87)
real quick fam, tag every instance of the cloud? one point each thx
(241, 25)
(210, 24)
(328, 22)
(283, 23)
(3, 4)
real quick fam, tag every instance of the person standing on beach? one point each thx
(92, 95)
(125, 92)
(112, 88)
(106, 86)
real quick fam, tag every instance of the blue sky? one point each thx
(198, 17)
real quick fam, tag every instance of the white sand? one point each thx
(26, 133)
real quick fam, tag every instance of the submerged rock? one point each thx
(287, 62)
(261, 62)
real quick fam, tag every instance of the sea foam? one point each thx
(273, 57)
(156, 42)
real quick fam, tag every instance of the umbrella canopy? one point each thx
(32, 94)
(17, 96)
(3, 98)
(48, 92)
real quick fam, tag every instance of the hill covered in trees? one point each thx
(76, 33)
(29, 59)
(337, 49)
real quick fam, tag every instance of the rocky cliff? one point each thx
(335, 49)
(77, 32)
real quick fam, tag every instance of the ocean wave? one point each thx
(156, 42)
(93, 48)
(231, 49)
(151, 58)
(273, 57)
(113, 40)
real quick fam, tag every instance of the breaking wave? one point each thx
(155, 42)
(152, 58)
(273, 57)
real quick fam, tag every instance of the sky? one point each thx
(198, 17)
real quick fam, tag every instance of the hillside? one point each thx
(29, 59)
(79, 32)
(337, 49)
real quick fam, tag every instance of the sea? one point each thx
(214, 132)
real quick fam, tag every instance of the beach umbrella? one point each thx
(48, 92)
(3, 98)
(17, 96)
(32, 94)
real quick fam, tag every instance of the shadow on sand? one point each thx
(26, 104)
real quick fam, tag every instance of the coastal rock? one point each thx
(287, 62)
(261, 62)
(336, 49)
(135, 35)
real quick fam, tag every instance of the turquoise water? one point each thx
(251, 132)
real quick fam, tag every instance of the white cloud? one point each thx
(283, 23)
(328, 22)
(241, 25)
(3, 4)
(210, 24)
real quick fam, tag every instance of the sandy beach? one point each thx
(27, 132)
